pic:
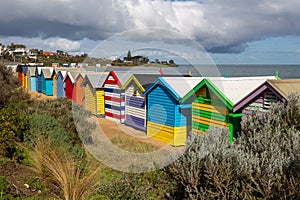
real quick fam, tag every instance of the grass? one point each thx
(73, 179)
(132, 145)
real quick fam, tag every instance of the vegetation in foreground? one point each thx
(42, 157)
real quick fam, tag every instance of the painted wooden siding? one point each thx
(79, 91)
(135, 108)
(20, 78)
(90, 99)
(68, 88)
(39, 84)
(49, 87)
(33, 83)
(54, 85)
(114, 99)
(43, 84)
(175, 136)
(60, 88)
(100, 102)
(166, 121)
(206, 114)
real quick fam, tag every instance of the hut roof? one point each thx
(286, 86)
(95, 79)
(179, 86)
(47, 73)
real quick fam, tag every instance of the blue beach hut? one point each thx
(60, 85)
(168, 118)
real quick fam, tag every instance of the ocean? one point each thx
(284, 71)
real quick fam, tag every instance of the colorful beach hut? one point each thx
(25, 79)
(79, 89)
(214, 100)
(47, 81)
(38, 72)
(69, 81)
(60, 85)
(94, 93)
(168, 117)
(19, 70)
(267, 93)
(32, 79)
(135, 100)
(114, 95)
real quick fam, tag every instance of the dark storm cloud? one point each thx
(219, 25)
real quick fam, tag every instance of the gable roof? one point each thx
(178, 86)
(95, 79)
(32, 71)
(143, 81)
(63, 74)
(231, 90)
(47, 73)
(72, 75)
(286, 86)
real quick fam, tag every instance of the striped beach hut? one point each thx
(214, 100)
(60, 85)
(270, 91)
(114, 95)
(47, 81)
(135, 100)
(168, 117)
(94, 93)
(69, 81)
(32, 79)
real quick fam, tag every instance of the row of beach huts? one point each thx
(164, 104)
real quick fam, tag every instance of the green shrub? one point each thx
(263, 163)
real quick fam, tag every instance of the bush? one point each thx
(8, 83)
(262, 163)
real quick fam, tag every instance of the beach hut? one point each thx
(69, 81)
(269, 92)
(114, 95)
(38, 72)
(135, 100)
(94, 93)
(60, 86)
(25, 76)
(47, 81)
(19, 70)
(32, 79)
(79, 89)
(168, 117)
(214, 100)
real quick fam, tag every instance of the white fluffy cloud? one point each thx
(63, 44)
(219, 25)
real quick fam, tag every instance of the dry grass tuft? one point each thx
(55, 165)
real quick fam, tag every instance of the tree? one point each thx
(129, 58)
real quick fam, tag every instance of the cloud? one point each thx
(218, 25)
(64, 44)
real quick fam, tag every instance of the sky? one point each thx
(229, 31)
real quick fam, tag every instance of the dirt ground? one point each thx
(39, 96)
(112, 128)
